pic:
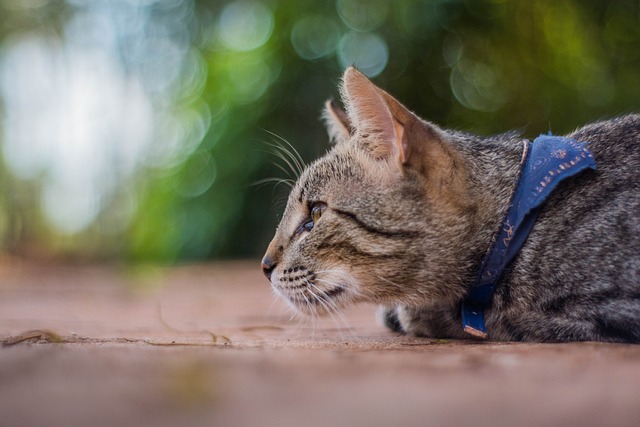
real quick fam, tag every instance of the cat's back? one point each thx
(609, 198)
(615, 145)
(589, 230)
(578, 274)
(598, 212)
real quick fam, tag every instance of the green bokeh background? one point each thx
(267, 67)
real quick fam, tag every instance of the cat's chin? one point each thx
(315, 302)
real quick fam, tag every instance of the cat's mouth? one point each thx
(312, 301)
(318, 297)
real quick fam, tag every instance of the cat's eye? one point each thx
(314, 216)
(316, 211)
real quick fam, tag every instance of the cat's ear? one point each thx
(388, 130)
(371, 117)
(337, 122)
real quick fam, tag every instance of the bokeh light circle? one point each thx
(367, 51)
(478, 86)
(245, 25)
(313, 37)
(363, 15)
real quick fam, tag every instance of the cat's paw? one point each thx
(389, 318)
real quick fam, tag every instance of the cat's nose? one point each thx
(267, 266)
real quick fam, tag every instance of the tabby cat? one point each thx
(401, 213)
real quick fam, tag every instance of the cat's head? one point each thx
(379, 218)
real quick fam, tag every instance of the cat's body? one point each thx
(401, 213)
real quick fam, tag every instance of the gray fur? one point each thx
(578, 275)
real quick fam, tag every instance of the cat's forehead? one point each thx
(337, 166)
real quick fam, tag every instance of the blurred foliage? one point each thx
(248, 68)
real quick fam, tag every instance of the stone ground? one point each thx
(207, 346)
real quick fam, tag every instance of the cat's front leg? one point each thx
(388, 316)
(422, 322)
(404, 320)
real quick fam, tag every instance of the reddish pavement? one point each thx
(207, 345)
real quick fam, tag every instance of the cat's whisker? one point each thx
(345, 278)
(388, 281)
(288, 307)
(341, 273)
(290, 150)
(293, 168)
(282, 168)
(333, 311)
(280, 204)
(314, 314)
(330, 307)
(278, 181)
(284, 306)
(293, 161)
(334, 285)
(274, 301)
(295, 314)
(320, 300)
(286, 156)
(338, 321)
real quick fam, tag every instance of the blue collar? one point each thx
(546, 162)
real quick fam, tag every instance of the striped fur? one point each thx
(411, 210)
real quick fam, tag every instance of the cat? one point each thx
(401, 213)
